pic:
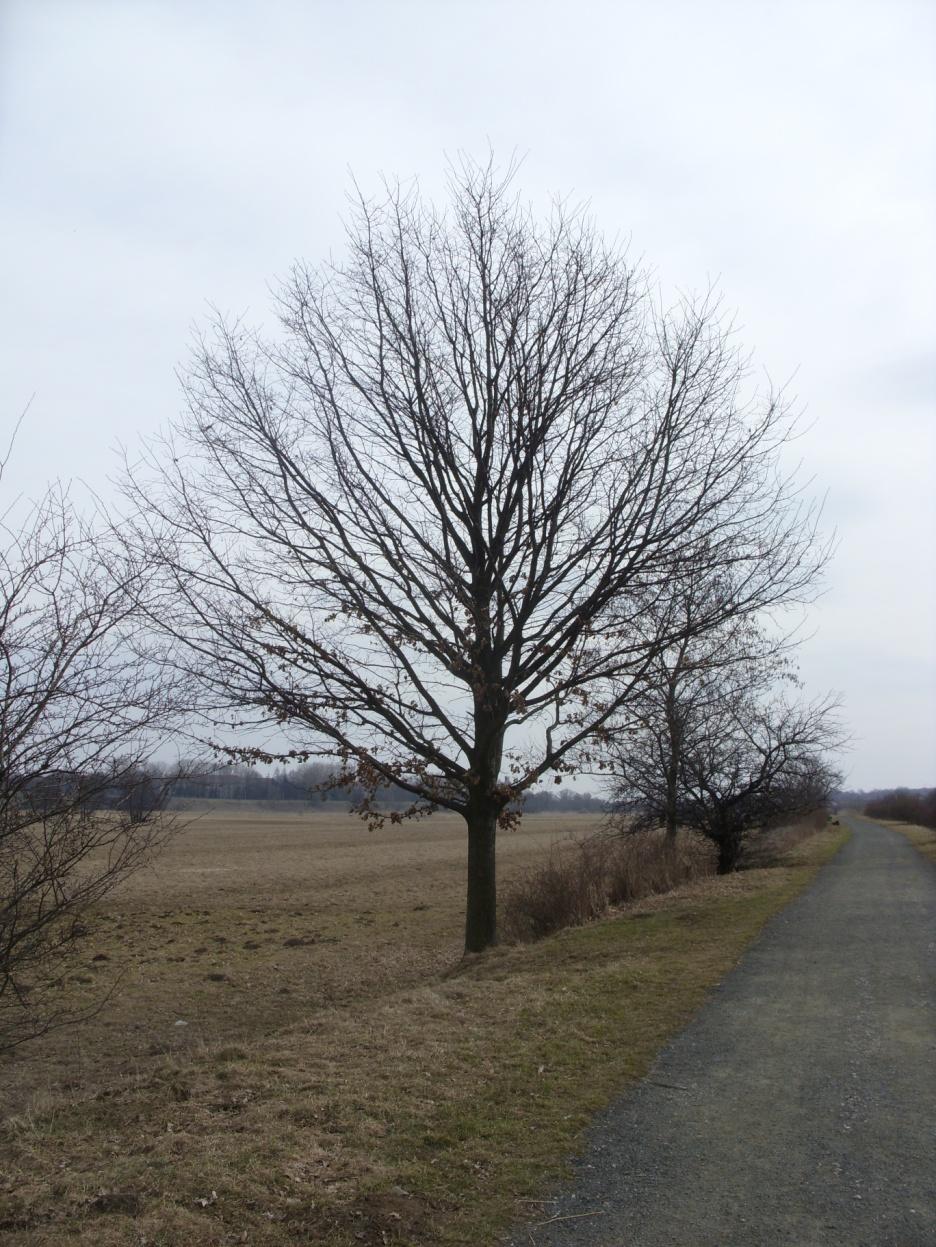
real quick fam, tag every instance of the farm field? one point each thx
(254, 917)
(343, 1075)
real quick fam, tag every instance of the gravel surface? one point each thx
(798, 1109)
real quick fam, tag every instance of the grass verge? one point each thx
(423, 1117)
(922, 838)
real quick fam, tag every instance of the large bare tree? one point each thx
(81, 707)
(422, 527)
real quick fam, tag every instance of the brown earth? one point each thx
(252, 919)
(394, 1094)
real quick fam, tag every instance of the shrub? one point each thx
(905, 807)
(767, 847)
(568, 889)
(648, 863)
(580, 880)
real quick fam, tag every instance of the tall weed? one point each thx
(581, 879)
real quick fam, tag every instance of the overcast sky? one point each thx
(155, 157)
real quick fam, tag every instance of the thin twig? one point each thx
(572, 1216)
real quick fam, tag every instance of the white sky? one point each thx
(155, 157)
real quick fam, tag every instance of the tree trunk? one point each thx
(674, 746)
(669, 813)
(729, 850)
(481, 910)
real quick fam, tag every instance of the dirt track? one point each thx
(799, 1108)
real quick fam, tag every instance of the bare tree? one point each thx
(702, 673)
(420, 531)
(761, 765)
(79, 710)
(739, 760)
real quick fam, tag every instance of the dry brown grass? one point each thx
(768, 847)
(252, 920)
(922, 838)
(405, 1097)
(581, 880)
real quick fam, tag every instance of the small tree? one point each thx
(79, 710)
(756, 766)
(743, 761)
(703, 671)
(421, 532)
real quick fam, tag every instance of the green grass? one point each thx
(429, 1116)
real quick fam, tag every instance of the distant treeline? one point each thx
(905, 806)
(315, 784)
(858, 798)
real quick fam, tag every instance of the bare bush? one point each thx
(81, 709)
(650, 862)
(567, 890)
(904, 806)
(765, 848)
(581, 880)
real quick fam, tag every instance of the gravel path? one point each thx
(798, 1109)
